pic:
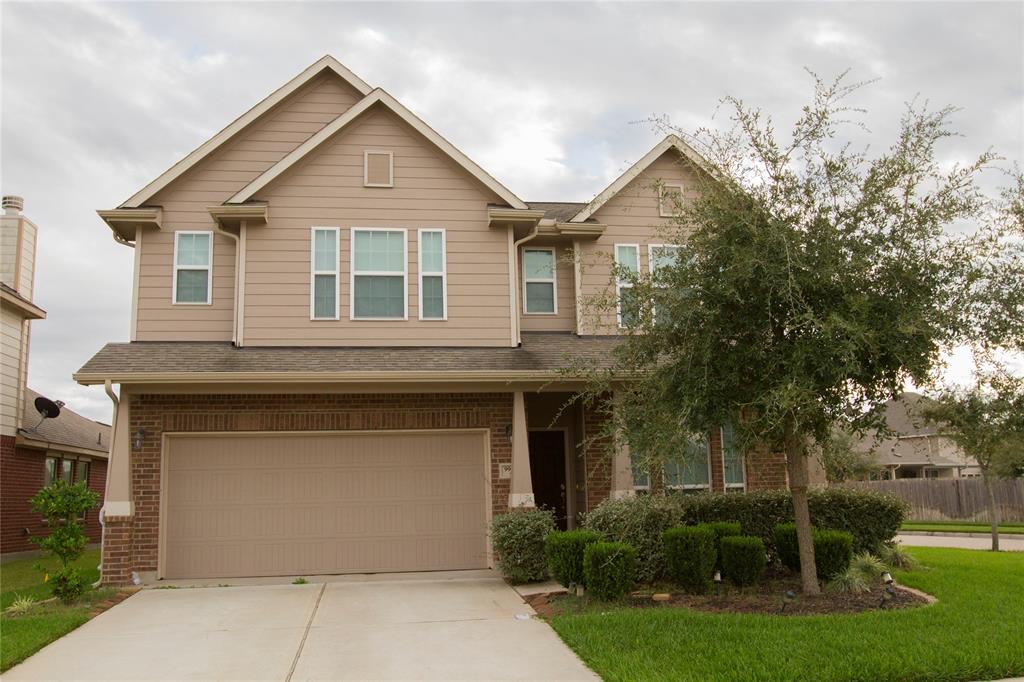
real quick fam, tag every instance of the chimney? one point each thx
(13, 205)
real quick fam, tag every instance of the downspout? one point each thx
(514, 277)
(219, 229)
(108, 387)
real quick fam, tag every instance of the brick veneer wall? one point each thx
(131, 544)
(21, 477)
(596, 456)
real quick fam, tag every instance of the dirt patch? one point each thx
(116, 599)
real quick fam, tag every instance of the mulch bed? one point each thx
(767, 598)
(118, 597)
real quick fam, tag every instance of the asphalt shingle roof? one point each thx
(68, 428)
(560, 211)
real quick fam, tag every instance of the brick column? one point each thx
(117, 550)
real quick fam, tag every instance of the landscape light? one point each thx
(718, 583)
(787, 598)
(887, 579)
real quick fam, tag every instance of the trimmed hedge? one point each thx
(609, 569)
(743, 559)
(722, 529)
(833, 550)
(786, 547)
(564, 551)
(518, 541)
(690, 555)
(641, 522)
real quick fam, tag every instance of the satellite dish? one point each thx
(47, 409)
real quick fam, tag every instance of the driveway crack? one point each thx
(305, 633)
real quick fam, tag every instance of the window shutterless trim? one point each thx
(176, 267)
(443, 274)
(661, 198)
(619, 285)
(378, 273)
(313, 272)
(553, 280)
(366, 168)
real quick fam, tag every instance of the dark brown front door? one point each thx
(547, 472)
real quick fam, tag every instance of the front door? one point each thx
(547, 473)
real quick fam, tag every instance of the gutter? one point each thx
(89, 379)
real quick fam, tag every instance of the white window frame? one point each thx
(651, 268)
(661, 198)
(376, 273)
(533, 280)
(176, 267)
(313, 272)
(743, 466)
(443, 274)
(695, 486)
(366, 168)
(619, 286)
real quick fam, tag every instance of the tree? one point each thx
(62, 505)
(842, 460)
(986, 421)
(810, 283)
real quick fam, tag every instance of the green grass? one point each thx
(962, 527)
(973, 632)
(21, 578)
(22, 636)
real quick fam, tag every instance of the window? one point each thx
(732, 461)
(670, 196)
(661, 255)
(67, 470)
(323, 284)
(193, 255)
(378, 290)
(627, 258)
(539, 282)
(378, 169)
(433, 282)
(692, 474)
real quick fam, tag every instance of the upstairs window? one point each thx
(627, 258)
(659, 257)
(193, 274)
(324, 285)
(670, 197)
(539, 282)
(732, 461)
(433, 280)
(378, 169)
(378, 274)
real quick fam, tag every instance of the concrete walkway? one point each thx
(437, 627)
(1009, 543)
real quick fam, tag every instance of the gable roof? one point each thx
(376, 96)
(326, 63)
(69, 429)
(670, 142)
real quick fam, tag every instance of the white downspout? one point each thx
(108, 387)
(234, 307)
(514, 276)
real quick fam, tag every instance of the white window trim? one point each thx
(443, 272)
(313, 272)
(661, 198)
(696, 486)
(176, 267)
(366, 168)
(372, 273)
(619, 286)
(743, 466)
(651, 268)
(553, 280)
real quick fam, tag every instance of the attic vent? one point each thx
(13, 203)
(378, 169)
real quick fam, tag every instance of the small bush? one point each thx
(786, 547)
(833, 551)
(743, 559)
(722, 529)
(62, 505)
(868, 565)
(851, 580)
(21, 605)
(564, 551)
(895, 556)
(68, 584)
(641, 522)
(690, 555)
(518, 541)
(609, 569)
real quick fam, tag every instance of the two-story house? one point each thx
(346, 344)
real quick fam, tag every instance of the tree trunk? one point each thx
(796, 464)
(993, 510)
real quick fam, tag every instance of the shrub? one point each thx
(743, 559)
(722, 529)
(62, 504)
(868, 565)
(21, 605)
(564, 551)
(786, 548)
(894, 555)
(690, 555)
(518, 541)
(851, 580)
(833, 551)
(609, 569)
(641, 522)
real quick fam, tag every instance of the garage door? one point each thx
(293, 504)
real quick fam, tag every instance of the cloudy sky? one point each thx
(99, 99)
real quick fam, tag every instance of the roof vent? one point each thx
(13, 204)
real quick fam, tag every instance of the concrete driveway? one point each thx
(419, 627)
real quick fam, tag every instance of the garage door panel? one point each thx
(293, 503)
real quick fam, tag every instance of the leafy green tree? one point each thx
(810, 283)
(62, 505)
(842, 460)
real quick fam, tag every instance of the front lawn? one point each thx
(21, 578)
(962, 527)
(973, 632)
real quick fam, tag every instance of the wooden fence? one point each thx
(933, 499)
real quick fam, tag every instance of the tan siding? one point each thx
(11, 329)
(211, 182)
(327, 190)
(565, 319)
(633, 217)
(8, 249)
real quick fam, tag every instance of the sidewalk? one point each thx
(1011, 543)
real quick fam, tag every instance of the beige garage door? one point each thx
(294, 504)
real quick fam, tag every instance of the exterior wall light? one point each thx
(138, 438)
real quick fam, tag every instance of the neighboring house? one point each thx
(34, 451)
(915, 449)
(347, 342)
